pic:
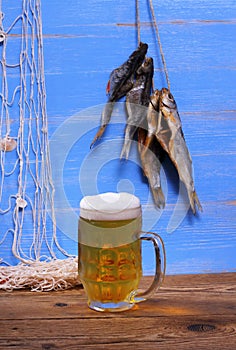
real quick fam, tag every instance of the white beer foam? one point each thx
(110, 206)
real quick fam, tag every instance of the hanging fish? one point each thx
(138, 96)
(164, 123)
(151, 160)
(119, 84)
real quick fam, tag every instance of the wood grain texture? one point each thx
(188, 312)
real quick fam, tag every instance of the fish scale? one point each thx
(119, 84)
(165, 125)
(136, 98)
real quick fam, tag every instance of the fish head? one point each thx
(148, 64)
(148, 61)
(167, 98)
(146, 67)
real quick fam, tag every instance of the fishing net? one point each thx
(29, 248)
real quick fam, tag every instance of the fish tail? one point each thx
(159, 198)
(106, 116)
(98, 135)
(194, 202)
(129, 134)
(125, 150)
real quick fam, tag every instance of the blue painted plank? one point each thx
(200, 74)
(82, 44)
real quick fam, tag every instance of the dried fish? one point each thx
(164, 123)
(138, 96)
(151, 160)
(119, 84)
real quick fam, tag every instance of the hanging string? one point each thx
(159, 42)
(1, 15)
(138, 21)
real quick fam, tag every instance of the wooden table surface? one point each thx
(188, 312)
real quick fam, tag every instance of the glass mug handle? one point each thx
(160, 266)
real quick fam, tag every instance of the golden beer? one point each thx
(110, 275)
(110, 263)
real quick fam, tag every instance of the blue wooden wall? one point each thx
(83, 42)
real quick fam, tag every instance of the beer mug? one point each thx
(110, 262)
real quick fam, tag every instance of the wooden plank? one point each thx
(121, 331)
(189, 312)
(203, 292)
